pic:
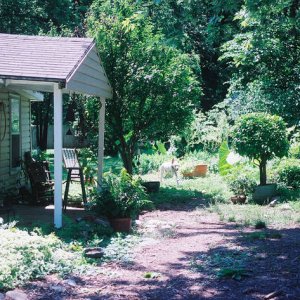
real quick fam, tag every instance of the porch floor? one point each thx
(29, 215)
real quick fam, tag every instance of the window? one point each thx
(15, 122)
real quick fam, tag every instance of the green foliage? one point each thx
(118, 248)
(260, 137)
(146, 163)
(222, 263)
(247, 215)
(89, 163)
(259, 224)
(121, 197)
(236, 274)
(288, 174)
(264, 57)
(224, 166)
(207, 131)
(262, 235)
(242, 185)
(140, 65)
(25, 256)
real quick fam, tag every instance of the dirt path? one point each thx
(179, 257)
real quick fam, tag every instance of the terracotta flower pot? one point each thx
(121, 224)
(239, 199)
(200, 170)
(187, 174)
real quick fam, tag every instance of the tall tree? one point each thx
(154, 88)
(264, 57)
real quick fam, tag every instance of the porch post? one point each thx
(57, 156)
(101, 141)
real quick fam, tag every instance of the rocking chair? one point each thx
(40, 179)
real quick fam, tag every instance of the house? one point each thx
(33, 64)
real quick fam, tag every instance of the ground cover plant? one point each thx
(28, 255)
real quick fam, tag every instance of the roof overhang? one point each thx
(84, 73)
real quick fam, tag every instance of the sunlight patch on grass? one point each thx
(250, 214)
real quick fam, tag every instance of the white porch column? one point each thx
(101, 141)
(58, 156)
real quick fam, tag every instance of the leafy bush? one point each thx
(261, 137)
(25, 256)
(242, 185)
(146, 163)
(122, 196)
(289, 175)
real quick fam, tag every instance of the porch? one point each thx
(27, 215)
(56, 65)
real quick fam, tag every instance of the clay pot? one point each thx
(200, 170)
(121, 224)
(240, 199)
(187, 174)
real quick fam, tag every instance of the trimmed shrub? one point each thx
(261, 137)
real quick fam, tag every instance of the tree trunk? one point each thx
(43, 116)
(127, 153)
(263, 172)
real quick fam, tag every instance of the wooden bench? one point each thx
(75, 173)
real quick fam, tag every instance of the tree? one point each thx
(261, 137)
(264, 58)
(199, 27)
(154, 88)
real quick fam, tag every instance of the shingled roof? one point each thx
(72, 62)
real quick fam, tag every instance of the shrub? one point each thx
(146, 163)
(121, 197)
(242, 185)
(261, 137)
(289, 175)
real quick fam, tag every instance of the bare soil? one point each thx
(176, 255)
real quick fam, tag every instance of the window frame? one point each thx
(12, 96)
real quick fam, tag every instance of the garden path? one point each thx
(185, 253)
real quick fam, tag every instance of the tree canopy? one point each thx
(154, 87)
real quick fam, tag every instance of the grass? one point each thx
(222, 263)
(212, 188)
(262, 235)
(259, 216)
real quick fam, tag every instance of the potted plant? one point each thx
(120, 200)
(261, 137)
(241, 186)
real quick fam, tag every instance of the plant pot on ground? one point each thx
(200, 170)
(239, 199)
(120, 200)
(241, 186)
(192, 169)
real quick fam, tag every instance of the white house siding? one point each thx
(89, 77)
(7, 177)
